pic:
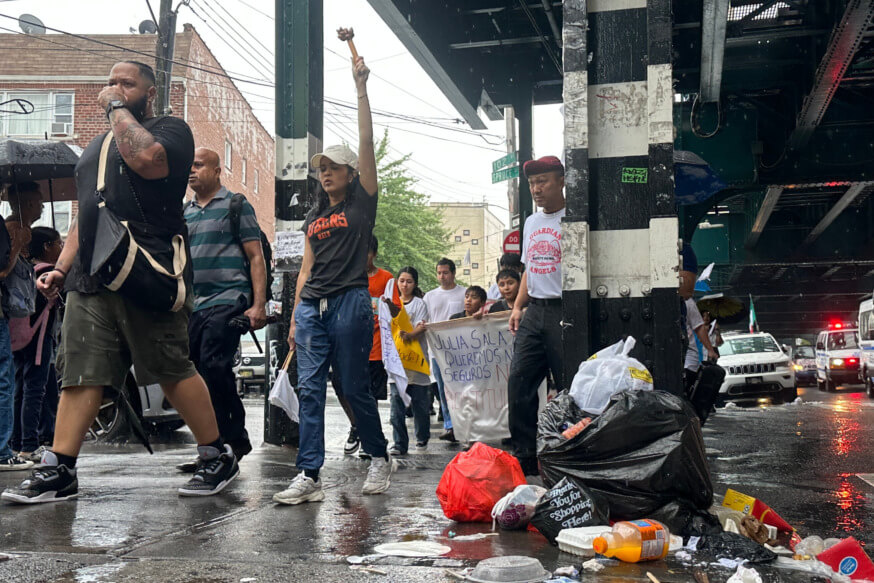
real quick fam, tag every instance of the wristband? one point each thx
(61, 271)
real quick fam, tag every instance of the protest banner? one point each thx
(474, 357)
(391, 359)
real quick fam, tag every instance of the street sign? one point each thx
(505, 174)
(512, 244)
(510, 158)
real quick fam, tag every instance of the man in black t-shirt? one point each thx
(104, 332)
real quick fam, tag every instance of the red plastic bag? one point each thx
(475, 480)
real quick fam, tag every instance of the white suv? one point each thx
(755, 366)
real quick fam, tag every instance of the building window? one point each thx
(52, 115)
(458, 238)
(466, 272)
(466, 232)
(474, 241)
(63, 215)
(257, 179)
(243, 171)
(475, 265)
(229, 151)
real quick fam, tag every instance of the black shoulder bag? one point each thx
(137, 260)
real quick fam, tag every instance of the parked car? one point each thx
(249, 363)
(804, 361)
(837, 357)
(152, 408)
(755, 367)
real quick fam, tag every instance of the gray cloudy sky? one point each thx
(450, 165)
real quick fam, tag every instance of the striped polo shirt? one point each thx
(220, 272)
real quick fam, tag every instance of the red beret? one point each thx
(543, 165)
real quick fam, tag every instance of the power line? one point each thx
(255, 38)
(244, 3)
(227, 38)
(201, 67)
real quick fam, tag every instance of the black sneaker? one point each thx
(353, 442)
(46, 484)
(212, 475)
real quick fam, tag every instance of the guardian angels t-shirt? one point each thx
(541, 254)
(340, 236)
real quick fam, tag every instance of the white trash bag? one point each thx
(514, 511)
(606, 373)
(282, 394)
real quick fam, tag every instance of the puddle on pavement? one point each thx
(93, 574)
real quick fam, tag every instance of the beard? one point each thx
(138, 108)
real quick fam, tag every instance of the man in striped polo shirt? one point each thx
(230, 278)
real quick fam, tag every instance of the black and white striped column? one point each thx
(619, 241)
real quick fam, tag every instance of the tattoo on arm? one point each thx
(131, 137)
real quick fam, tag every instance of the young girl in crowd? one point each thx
(508, 281)
(34, 351)
(419, 383)
(332, 322)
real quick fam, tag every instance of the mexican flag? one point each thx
(753, 321)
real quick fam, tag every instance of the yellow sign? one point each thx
(410, 352)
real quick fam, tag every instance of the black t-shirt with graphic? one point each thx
(157, 202)
(340, 237)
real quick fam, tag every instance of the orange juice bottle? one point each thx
(635, 541)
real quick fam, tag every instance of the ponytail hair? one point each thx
(414, 273)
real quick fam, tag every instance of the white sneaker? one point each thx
(379, 475)
(15, 463)
(301, 489)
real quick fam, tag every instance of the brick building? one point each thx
(475, 230)
(62, 76)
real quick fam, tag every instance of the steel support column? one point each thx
(619, 238)
(846, 200)
(768, 206)
(299, 114)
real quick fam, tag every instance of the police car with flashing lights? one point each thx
(866, 345)
(837, 357)
(756, 367)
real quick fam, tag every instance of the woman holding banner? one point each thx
(332, 323)
(418, 386)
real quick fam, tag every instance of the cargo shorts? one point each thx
(103, 334)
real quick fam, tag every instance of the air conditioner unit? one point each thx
(62, 129)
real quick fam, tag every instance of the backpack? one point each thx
(21, 331)
(235, 211)
(19, 290)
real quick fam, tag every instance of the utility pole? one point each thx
(164, 56)
(299, 117)
(513, 183)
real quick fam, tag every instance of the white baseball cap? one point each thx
(341, 154)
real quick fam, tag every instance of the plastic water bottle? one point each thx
(635, 541)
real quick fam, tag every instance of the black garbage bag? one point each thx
(568, 505)
(683, 519)
(643, 452)
(730, 545)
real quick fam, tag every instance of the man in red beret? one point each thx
(538, 330)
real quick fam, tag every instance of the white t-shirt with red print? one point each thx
(541, 254)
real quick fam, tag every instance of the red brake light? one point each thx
(852, 360)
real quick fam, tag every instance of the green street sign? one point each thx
(635, 175)
(505, 174)
(510, 158)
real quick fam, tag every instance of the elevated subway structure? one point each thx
(774, 95)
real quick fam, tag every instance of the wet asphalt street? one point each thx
(806, 460)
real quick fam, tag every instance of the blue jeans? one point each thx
(7, 390)
(447, 419)
(340, 338)
(421, 402)
(30, 390)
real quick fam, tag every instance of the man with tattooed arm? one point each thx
(147, 167)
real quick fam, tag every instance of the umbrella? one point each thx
(50, 164)
(726, 310)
